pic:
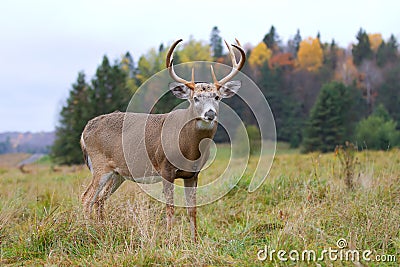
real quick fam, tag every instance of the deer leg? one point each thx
(90, 196)
(90, 193)
(111, 185)
(168, 188)
(190, 196)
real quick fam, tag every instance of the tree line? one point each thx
(321, 94)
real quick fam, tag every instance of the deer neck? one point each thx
(192, 134)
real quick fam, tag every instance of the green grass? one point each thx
(303, 204)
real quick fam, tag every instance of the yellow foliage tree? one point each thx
(195, 51)
(259, 55)
(375, 40)
(310, 55)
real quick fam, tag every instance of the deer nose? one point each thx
(210, 115)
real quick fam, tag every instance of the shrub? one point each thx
(377, 133)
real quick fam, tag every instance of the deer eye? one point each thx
(217, 98)
(196, 99)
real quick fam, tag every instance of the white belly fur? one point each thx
(145, 180)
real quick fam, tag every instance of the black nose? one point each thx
(210, 115)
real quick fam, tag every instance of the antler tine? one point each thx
(213, 75)
(236, 67)
(169, 63)
(231, 54)
(192, 75)
(237, 41)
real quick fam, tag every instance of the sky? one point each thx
(45, 43)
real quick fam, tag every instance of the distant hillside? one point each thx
(13, 142)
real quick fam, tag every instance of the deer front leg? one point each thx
(168, 188)
(190, 196)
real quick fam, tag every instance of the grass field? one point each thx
(303, 205)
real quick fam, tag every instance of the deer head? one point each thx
(204, 98)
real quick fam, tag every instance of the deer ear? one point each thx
(230, 89)
(180, 90)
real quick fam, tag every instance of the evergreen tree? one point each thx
(286, 113)
(128, 66)
(73, 118)
(297, 40)
(271, 39)
(387, 52)
(329, 123)
(362, 50)
(107, 93)
(109, 90)
(216, 43)
(389, 93)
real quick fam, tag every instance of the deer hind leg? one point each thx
(90, 196)
(110, 186)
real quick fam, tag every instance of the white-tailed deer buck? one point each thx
(176, 144)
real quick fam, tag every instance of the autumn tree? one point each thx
(151, 63)
(375, 40)
(194, 51)
(259, 55)
(310, 55)
(128, 67)
(216, 43)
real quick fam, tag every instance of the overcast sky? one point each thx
(44, 43)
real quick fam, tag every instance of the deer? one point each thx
(177, 143)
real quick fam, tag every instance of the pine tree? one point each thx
(73, 118)
(216, 43)
(329, 123)
(128, 66)
(107, 93)
(389, 92)
(362, 50)
(271, 39)
(286, 113)
(109, 90)
(297, 40)
(387, 52)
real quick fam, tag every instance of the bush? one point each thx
(375, 132)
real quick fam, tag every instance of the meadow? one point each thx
(304, 204)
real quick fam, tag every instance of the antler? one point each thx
(236, 67)
(170, 66)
